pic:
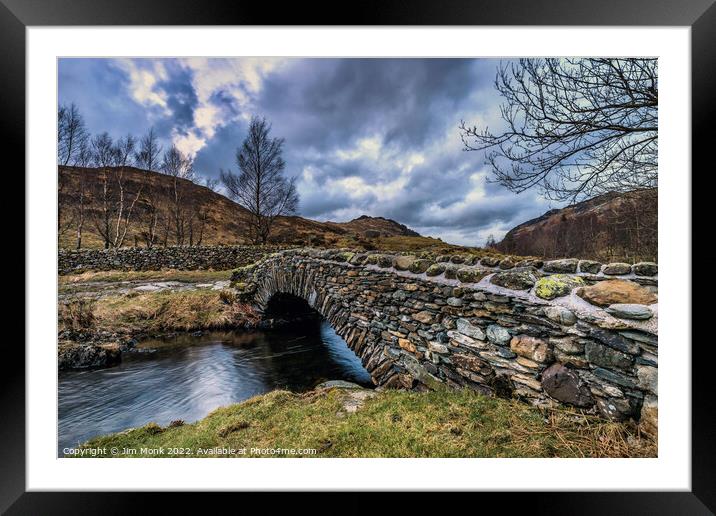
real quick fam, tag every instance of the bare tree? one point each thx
(147, 157)
(72, 138)
(116, 205)
(261, 187)
(179, 167)
(575, 128)
(71, 134)
(125, 150)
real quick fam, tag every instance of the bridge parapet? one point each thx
(560, 332)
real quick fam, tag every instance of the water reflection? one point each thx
(188, 377)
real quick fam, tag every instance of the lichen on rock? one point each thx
(556, 285)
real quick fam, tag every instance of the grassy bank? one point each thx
(155, 312)
(440, 423)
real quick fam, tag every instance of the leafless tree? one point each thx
(261, 187)
(180, 168)
(151, 210)
(113, 216)
(148, 155)
(125, 150)
(72, 137)
(575, 128)
(71, 134)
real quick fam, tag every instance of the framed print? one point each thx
(419, 249)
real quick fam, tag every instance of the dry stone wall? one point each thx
(157, 258)
(537, 331)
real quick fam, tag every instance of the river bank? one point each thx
(102, 315)
(353, 422)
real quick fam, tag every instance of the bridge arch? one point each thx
(460, 329)
(311, 284)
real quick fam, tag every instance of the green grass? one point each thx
(442, 423)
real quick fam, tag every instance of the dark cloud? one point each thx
(180, 97)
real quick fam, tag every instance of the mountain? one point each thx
(372, 227)
(205, 216)
(609, 227)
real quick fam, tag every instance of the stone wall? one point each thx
(157, 258)
(548, 333)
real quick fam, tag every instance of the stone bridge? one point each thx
(567, 331)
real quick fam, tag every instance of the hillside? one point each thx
(205, 217)
(615, 226)
(372, 227)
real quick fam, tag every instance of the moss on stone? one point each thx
(470, 275)
(420, 266)
(435, 269)
(557, 285)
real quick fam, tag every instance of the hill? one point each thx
(153, 209)
(372, 227)
(610, 227)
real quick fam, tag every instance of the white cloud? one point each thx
(143, 76)
(189, 143)
(239, 78)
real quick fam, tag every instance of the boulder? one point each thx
(425, 317)
(630, 311)
(490, 261)
(507, 263)
(566, 386)
(435, 269)
(403, 263)
(530, 262)
(464, 327)
(560, 315)
(88, 356)
(610, 292)
(516, 279)
(556, 285)
(419, 266)
(589, 266)
(451, 272)
(617, 269)
(532, 348)
(645, 269)
(471, 363)
(498, 335)
(607, 357)
(470, 274)
(566, 265)
(385, 260)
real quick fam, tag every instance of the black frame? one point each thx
(700, 15)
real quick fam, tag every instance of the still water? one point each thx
(188, 377)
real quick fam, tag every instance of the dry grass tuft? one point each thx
(77, 314)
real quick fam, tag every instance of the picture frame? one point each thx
(700, 16)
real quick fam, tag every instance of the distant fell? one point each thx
(609, 227)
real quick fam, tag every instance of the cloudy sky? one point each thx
(363, 136)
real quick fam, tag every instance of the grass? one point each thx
(441, 423)
(156, 312)
(189, 276)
